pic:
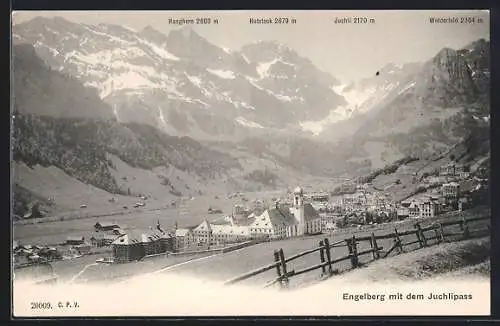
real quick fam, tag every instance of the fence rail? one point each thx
(324, 248)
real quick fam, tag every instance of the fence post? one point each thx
(322, 257)
(328, 256)
(397, 240)
(355, 251)
(441, 232)
(373, 242)
(419, 235)
(436, 232)
(422, 235)
(463, 223)
(283, 268)
(348, 242)
(371, 246)
(278, 269)
(465, 228)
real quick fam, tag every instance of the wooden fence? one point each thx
(325, 248)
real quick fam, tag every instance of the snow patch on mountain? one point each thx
(194, 79)
(94, 30)
(245, 58)
(54, 52)
(263, 68)
(241, 104)
(339, 114)
(355, 96)
(248, 123)
(225, 74)
(316, 127)
(162, 118)
(161, 52)
(116, 113)
(407, 87)
(107, 57)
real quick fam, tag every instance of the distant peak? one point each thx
(153, 34)
(186, 31)
(149, 29)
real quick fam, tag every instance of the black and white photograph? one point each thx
(250, 163)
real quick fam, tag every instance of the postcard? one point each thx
(250, 163)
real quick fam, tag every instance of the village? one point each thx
(296, 214)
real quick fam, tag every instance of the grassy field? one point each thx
(449, 260)
(226, 266)
(189, 213)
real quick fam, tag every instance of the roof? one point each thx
(127, 239)
(104, 236)
(281, 216)
(107, 224)
(245, 221)
(76, 238)
(220, 221)
(310, 213)
(182, 232)
(149, 237)
(137, 237)
(222, 229)
(203, 226)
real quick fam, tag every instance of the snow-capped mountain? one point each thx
(365, 95)
(182, 83)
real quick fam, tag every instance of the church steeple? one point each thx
(298, 195)
(298, 210)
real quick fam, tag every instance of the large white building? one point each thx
(278, 222)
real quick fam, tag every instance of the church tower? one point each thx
(298, 210)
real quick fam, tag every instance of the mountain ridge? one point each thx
(148, 80)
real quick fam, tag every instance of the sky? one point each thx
(347, 51)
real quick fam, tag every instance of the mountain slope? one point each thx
(363, 97)
(86, 144)
(40, 90)
(445, 103)
(183, 84)
(59, 156)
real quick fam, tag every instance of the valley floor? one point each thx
(222, 267)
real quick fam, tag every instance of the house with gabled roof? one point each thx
(184, 238)
(137, 245)
(106, 226)
(222, 233)
(203, 232)
(128, 247)
(75, 240)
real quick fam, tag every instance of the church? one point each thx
(277, 222)
(285, 222)
(308, 221)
